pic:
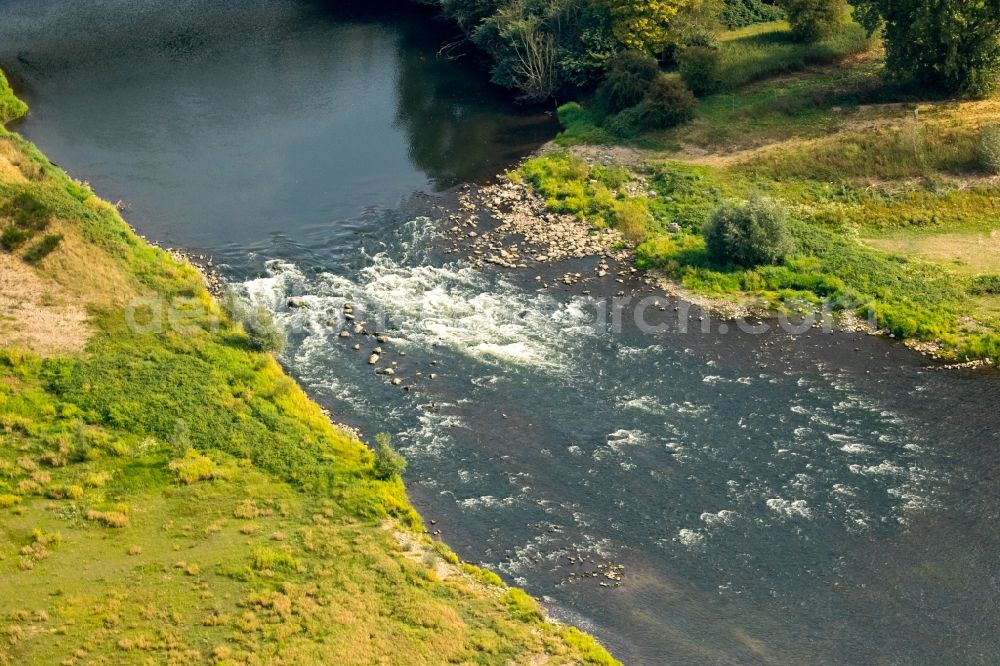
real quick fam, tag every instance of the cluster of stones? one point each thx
(375, 358)
(526, 231)
(205, 266)
(611, 574)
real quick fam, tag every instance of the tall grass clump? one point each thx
(989, 148)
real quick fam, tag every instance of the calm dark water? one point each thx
(819, 499)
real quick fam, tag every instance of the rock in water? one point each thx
(373, 359)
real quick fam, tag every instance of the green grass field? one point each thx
(770, 86)
(169, 495)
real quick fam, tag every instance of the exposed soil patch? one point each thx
(972, 252)
(37, 314)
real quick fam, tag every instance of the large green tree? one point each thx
(952, 45)
(813, 20)
(644, 26)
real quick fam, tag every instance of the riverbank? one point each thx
(168, 493)
(894, 220)
(507, 225)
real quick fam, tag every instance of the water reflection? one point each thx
(253, 120)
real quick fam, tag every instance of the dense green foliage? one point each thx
(538, 48)
(547, 47)
(262, 331)
(741, 13)
(749, 233)
(669, 102)
(629, 76)
(644, 26)
(11, 107)
(701, 69)
(953, 45)
(813, 20)
(388, 463)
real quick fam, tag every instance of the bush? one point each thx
(263, 331)
(626, 124)
(13, 238)
(258, 323)
(669, 102)
(628, 78)
(28, 212)
(700, 68)
(270, 559)
(388, 463)
(751, 233)
(194, 467)
(43, 248)
(989, 148)
(813, 20)
(983, 285)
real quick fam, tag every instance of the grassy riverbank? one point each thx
(892, 212)
(168, 494)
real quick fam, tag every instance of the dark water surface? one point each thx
(820, 499)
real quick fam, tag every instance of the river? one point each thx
(773, 499)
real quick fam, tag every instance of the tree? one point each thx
(813, 20)
(697, 23)
(534, 62)
(750, 233)
(952, 45)
(540, 46)
(644, 26)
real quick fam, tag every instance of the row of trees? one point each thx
(545, 47)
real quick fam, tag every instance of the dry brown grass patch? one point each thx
(38, 314)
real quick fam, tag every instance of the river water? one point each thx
(775, 499)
